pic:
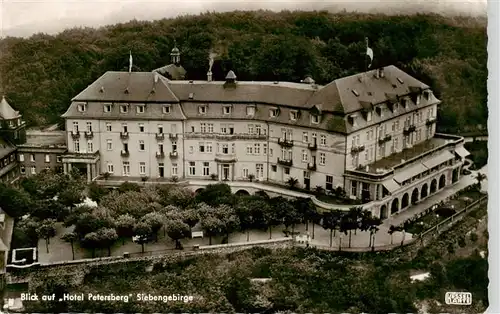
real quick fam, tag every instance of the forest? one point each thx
(40, 74)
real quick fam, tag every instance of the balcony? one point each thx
(313, 146)
(430, 121)
(409, 129)
(172, 136)
(75, 135)
(225, 158)
(160, 155)
(160, 136)
(285, 162)
(89, 135)
(357, 149)
(225, 137)
(311, 167)
(284, 142)
(125, 153)
(384, 139)
(124, 135)
(174, 154)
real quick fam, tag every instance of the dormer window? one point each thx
(369, 116)
(202, 109)
(82, 107)
(427, 95)
(226, 109)
(294, 115)
(140, 109)
(191, 95)
(166, 109)
(355, 92)
(124, 108)
(404, 102)
(395, 108)
(400, 80)
(273, 113)
(314, 118)
(250, 111)
(107, 107)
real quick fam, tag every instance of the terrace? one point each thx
(397, 160)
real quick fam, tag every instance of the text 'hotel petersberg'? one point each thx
(373, 133)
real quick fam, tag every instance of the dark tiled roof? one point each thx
(339, 96)
(6, 148)
(172, 71)
(128, 87)
(283, 93)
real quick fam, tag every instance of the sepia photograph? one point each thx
(245, 156)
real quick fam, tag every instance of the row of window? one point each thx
(33, 158)
(203, 109)
(125, 108)
(382, 132)
(380, 109)
(22, 169)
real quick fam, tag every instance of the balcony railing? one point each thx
(173, 136)
(225, 158)
(409, 129)
(226, 137)
(174, 154)
(124, 135)
(357, 149)
(285, 162)
(160, 136)
(160, 154)
(311, 167)
(89, 134)
(125, 153)
(384, 139)
(430, 121)
(284, 142)
(313, 146)
(75, 134)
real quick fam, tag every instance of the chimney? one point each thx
(209, 76)
(156, 77)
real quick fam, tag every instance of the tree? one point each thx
(212, 226)
(125, 226)
(15, 202)
(244, 213)
(357, 215)
(96, 191)
(229, 219)
(177, 230)
(288, 213)
(292, 182)
(107, 236)
(46, 231)
(92, 221)
(215, 194)
(306, 209)
(347, 224)
(71, 237)
(191, 217)
(91, 240)
(129, 186)
(331, 221)
(271, 217)
(372, 225)
(155, 220)
(71, 195)
(143, 231)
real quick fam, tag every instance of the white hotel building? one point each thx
(372, 133)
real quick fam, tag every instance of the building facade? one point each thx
(43, 150)
(12, 131)
(373, 134)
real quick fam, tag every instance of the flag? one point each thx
(130, 62)
(369, 53)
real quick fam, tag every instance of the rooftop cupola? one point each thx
(230, 77)
(308, 80)
(175, 55)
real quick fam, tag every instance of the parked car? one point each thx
(142, 239)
